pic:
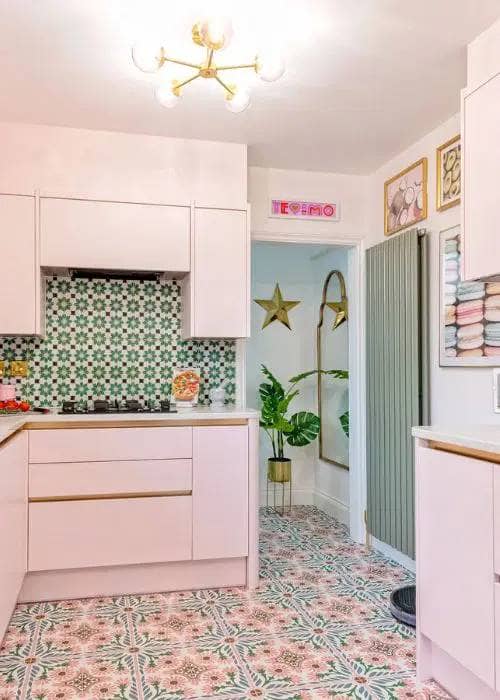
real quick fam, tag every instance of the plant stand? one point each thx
(279, 478)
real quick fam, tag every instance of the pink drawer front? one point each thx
(109, 444)
(78, 534)
(63, 479)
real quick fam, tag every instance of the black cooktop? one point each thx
(127, 406)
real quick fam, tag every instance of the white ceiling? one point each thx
(365, 78)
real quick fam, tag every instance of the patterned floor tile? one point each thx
(318, 627)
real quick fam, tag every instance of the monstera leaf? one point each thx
(305, 429)
(344, 422)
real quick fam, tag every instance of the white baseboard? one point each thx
(393, 554)
(300, 497)
(332, 506)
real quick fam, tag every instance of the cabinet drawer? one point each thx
(109, 444)
(63, 479)
(77, 534)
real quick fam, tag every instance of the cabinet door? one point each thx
(481, 155)
(220, 492)
(19, 273)
(13, 523)
(114, 235)
(220, 285)
(455, 575)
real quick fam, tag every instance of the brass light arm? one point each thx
(237, 67)
(196, 66)
(224, 85)
(178, 86)
(210, 56)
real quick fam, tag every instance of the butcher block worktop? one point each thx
(202, 415)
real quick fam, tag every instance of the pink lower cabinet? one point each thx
(457, 630)
(136, 510)
(13, 519)
(220, 492)
(109, 532)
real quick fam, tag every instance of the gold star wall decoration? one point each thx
(277, 308)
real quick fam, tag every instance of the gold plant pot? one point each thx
(279, 470)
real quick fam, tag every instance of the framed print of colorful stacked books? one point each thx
(470, 311)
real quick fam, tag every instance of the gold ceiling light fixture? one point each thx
(212, 35)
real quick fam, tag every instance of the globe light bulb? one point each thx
(166, 95)
(269, 67)
(216, 32)
(147, 58)
(238, 102)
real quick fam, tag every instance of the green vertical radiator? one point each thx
(397, 382)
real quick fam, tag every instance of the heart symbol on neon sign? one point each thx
(295, 207)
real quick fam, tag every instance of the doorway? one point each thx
(301, 268)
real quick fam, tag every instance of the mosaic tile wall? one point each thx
(114, 339)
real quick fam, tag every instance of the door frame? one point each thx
(357, 364)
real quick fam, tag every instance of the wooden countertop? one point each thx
(199, 416)
(481, 441)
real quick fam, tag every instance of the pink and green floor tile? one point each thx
(317, 628)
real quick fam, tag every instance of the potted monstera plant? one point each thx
(297, 430)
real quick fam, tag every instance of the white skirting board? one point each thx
(332, 506)
(307, 497)
(393, 554)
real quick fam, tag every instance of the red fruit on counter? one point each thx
(2, 405)
(24, 406)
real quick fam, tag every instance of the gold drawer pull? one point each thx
(107, 496)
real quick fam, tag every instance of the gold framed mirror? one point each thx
(332, 353)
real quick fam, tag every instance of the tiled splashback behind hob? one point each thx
(114, 339)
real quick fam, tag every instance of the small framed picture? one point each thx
(185, 387)
(448, 174)
(405, 198)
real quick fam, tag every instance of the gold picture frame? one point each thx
(448, 174)
(405, 198)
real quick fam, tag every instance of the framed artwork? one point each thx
(448, 174)
(405, 198)
(469, 318)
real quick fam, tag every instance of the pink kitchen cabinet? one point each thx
(480, 156)
(78, 233)
(458, 540)
(20, 311)
(13, 523)
(220, 492)
(216, 295)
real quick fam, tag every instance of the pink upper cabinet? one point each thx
(216, 295)
(113, 166)
(480, 158)
(20, 312)
(114, 235)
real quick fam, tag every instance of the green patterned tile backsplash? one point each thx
(114, 339)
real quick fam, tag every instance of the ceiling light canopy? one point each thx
(213, 35)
